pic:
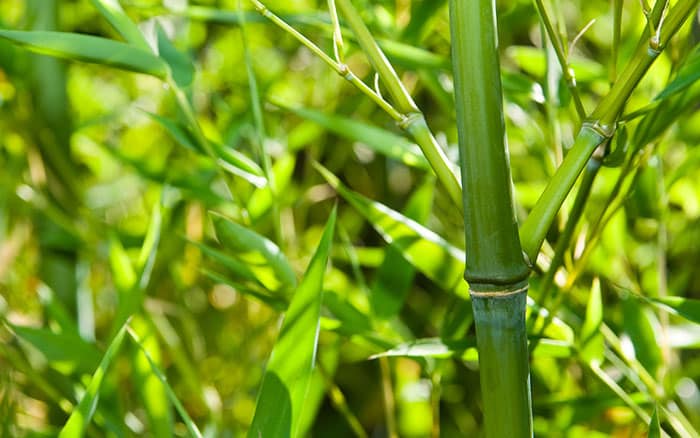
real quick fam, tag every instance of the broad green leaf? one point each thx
(150, 388)
(592, 345)
(191, 426)
(113, 12)
(262, 256)
(394, 277)
(688, 74)
(688, 308)
(181, 66)
(66, 352)
(377, 139)
(641, 325)
(286, 380)
(82, 414)
(654, 425)
(89, 48)
(425, 250)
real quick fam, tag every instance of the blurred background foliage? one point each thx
(88, 168)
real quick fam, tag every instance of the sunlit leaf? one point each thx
(687, 76)
(262, 256)
(286, 380)
(114, 13)
(82, 415)
(89, 48)
(424, 249)
(688, 308)
(591, 341)
(654, 425)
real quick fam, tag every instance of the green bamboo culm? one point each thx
(495, 266)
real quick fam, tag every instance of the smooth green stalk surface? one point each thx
(503, 365)
(495, 267)
(494, 256)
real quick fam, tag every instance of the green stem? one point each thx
(601, 126)
(495, 268)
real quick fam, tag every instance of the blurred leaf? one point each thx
(286, 380)
(686, 307)
(123, 273)
(276, 302)
(113, 12)
(89, 48)
(641, 326)
(261, 200)
(377, 139)
(425, 250)
(556, 328)
(592, 344)
(532, 61)
(67, 352)
(687, 76)
(191, 426)
(180, 64)
(150, 388)
(262, 256)
(394, 277)
(80, 417)
(654, 426)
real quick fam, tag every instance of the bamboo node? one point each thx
(498, 293)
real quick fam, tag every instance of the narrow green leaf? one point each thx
(641, 325)
(191, 426)
(379, 140)
(65, 352)
(262, 256)
(592, 343)
(286, 380)
(80, 417)
(395, 276)
(425, 250)
(113, 12)
(654, 425)
(180, 64)
(688, 308)
(276, 302)
(151, 389)
(261, 200)
(688, 74)
(89, 48)
(123, 273)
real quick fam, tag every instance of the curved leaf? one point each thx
(286, 380)
(113, 12)
(89, 48)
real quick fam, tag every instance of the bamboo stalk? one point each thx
(495, 267)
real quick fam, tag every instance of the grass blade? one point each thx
(285, 383)
(80, 417)
(89, 48)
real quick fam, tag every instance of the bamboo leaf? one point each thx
(425, 250)
(66, 352)
(686, 307)
(89, 48)
(181, 65)
(285, 383)
(687, 76)
(379, 140)
(591, 342)
(113, 12)
(80, 417)
(654, 425)
(641, 326)
(261, 200)
(191, 426)
(262, 256)
(395, 276)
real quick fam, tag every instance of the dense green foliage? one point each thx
(206, 230)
